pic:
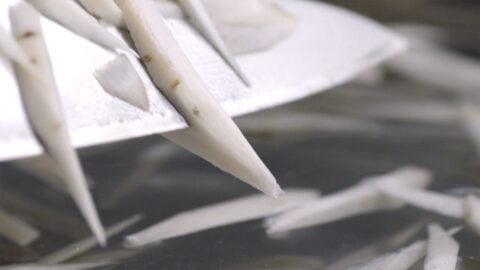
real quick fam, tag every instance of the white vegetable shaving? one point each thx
(201, 20)
(106, 10)
(71, 266)
(86, 244)
(471, 206)
(442, 249)
(430, 64)
(470, 118)
(17, 230)
(431, 201)
(402, 259)
(75, 18)
(221, 214)
(392, 242)
(212, 133)
(120, 79)
(40, 98)
(10, 47)
(360, 199)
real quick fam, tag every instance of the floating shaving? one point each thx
(356, 200)
(442, 249)
(402, 259)
(42, 104)
(200, 18)
(212, 134)
(392, 242)
(471, 206)
(438, 67)
(72, 266)
(220, 214)
(106, 10)
(17, 230)
(72, 16)
(470, 118)
(431, 201)
(120, 79)
(86, 244)
(10, 47)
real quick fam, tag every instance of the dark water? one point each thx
(174, 181)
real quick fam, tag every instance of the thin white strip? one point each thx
(220, 214)
(356, 200)
(393, 242)
(40, 98)
(106, 10)
(16, 230)
(88, 243)
(402, 259)
(201, 21)
(72, 16)
(442, 250)
(431, 201)
(471, 206)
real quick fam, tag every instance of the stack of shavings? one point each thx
(350, 201)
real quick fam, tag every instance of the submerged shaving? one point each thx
(17, 230)
(86, 244)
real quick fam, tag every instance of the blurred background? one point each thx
(421, 108)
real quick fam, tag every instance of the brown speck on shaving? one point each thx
(27, 34)
(195, 111)
(175, 84)
(147, 58)
(57, 126)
